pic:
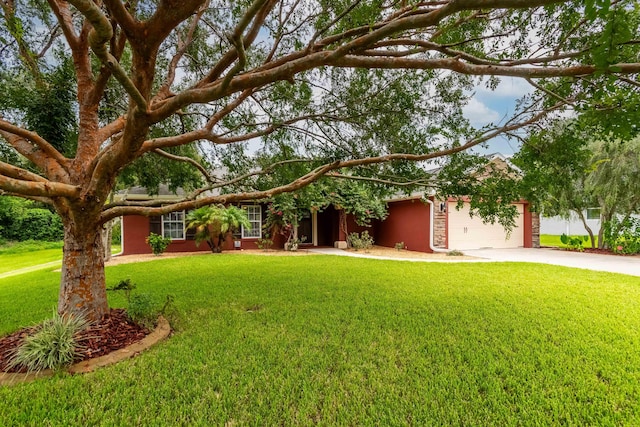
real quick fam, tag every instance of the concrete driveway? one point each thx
(611, 263)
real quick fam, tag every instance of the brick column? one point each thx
(535, 229)
(439, 224)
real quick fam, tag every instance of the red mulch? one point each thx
(113, 332)
(599, 251)
(590, 251)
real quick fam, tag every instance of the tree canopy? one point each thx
(580, 163)
(367, 85)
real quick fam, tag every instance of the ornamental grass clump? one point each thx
(54, 345)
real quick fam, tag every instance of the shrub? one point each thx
(623, 237)
(158, 243)
(52, 346)
(360, 241)
(353, 240)
(35, 224)
(455, 252)
(124, 285)
(116, 233)
(575, 243)
(142, 310)
(399, 246)
(293, 243)
(265, 244)
(170, 311)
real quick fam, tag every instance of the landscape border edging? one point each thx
(161, 331)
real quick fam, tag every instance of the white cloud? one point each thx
(479, 114)
(509, 87)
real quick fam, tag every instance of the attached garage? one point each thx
(465, 232)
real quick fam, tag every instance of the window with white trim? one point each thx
(173, 225)
(254, 213)
(593, 213)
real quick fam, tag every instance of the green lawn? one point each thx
(341, 341)
(554, 241)
(27, 254)
(14, 256)
(10, 262)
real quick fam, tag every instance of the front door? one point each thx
(305, 229)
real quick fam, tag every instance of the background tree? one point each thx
(22, 220)
(555, 162)
(343, 84)
(614, 179)
(578, 164)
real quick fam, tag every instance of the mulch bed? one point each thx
(113, 332)
(591, 251)
(599, 251)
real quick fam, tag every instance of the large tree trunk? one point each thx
(82, 285)
(106, 239)
(605, 217)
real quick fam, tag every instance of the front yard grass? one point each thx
(14, 256)
(17, 255)
(553, 240)
(342, 341)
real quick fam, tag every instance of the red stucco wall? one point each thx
(408, 222)
(353, 227)
(528, 237)
(135, 229)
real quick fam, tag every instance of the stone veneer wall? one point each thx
(440, 225)
(535, 229)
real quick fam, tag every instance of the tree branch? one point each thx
(333, 22)
(454, 64)
(112, 128)
(227, 59)
(118, 44)
(203, 133)
(63, 14)
(14, 133)
(181, 48)
(15, 172)
(38, 189)
(303, 181)
(14, 28)
(550, 93)
(280, 34)
(314, 175)
(195, 194)
(416, 182)
(185, 159)
(118, 10)
(99, 38)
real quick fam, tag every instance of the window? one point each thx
(593, 213)
(254, 213)
(173, 225)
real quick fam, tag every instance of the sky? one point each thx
(487, 106)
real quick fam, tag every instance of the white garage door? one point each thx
(471, 233)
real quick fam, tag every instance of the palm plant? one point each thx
(213, 222)
(232, 218)
(207, 224)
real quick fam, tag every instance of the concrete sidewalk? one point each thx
(609, 263)
(31, 268)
